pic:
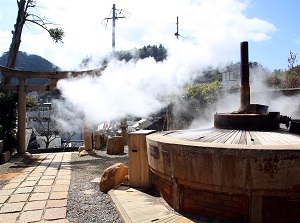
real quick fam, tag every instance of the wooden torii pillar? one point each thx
(22, 88)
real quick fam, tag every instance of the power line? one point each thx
(167, 31)
(145, 22)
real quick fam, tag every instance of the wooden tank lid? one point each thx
(241, 137)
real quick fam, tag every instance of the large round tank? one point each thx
(244, 169)
(231, 175)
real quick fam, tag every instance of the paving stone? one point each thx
(23, 175)
(12, 207)
(23, 190)
(28, 183)
(36, 174)
(63, 176)
(58, 195)
(47, 177)
(9, 217)
(50, 173)
(28, 169)
(45, 182)
(39, 196)
(30, 216)
(56, 203)
(32, 178)
(3, 198)
(55, 213)
(11, 185)
(39, 170)
(6, 192)
(18, 198)
(62, 182)
(60, 188)
(35, 205)
(17, 179)
(42, 189)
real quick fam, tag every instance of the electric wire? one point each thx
(145, 22)
(152, 25)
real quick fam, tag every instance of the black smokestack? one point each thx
(245, 87)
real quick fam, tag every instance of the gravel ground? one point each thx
(85, 201)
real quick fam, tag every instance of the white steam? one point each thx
(133, 88)
(137, 88)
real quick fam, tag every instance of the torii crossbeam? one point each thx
(22, 88)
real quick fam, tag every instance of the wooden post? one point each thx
(22, 116)
(87, 139)
(139, 170)
(97, 140)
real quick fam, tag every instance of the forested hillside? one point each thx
(31, 62)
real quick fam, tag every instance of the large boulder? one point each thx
(113, 176)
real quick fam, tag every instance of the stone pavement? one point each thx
(39, 192)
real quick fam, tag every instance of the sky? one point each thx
(213, 27)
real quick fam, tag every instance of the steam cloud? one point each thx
(136, 88)
(133, 88)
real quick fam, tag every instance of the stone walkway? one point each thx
(38, 193)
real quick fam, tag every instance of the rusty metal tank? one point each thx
(244, 169)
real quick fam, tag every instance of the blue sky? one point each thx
(284, 14)
(215, 26)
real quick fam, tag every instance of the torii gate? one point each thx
(22, 88)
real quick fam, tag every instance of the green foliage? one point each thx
(31, 102)
(158, 53)
(204, 93)
(8, 120)
(286, 79)
(56, 34)
(275, 79)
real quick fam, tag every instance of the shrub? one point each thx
(8, 120)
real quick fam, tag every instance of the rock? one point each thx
(113, 176)
(81, 148)
(83, 153)
(115, 145)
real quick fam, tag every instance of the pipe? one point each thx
(245, 87)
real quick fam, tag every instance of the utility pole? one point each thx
(114, 17)
(177, 33)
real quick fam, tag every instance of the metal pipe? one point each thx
(245, 87)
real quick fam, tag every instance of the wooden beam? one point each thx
(7, 72)
(29, 88)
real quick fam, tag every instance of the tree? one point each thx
(288, 78)
(158, 53)
(203, 94)
(24, 16)
(42, 121)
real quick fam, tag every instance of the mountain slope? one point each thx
(31, 62)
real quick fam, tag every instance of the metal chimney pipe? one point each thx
(245, 87)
